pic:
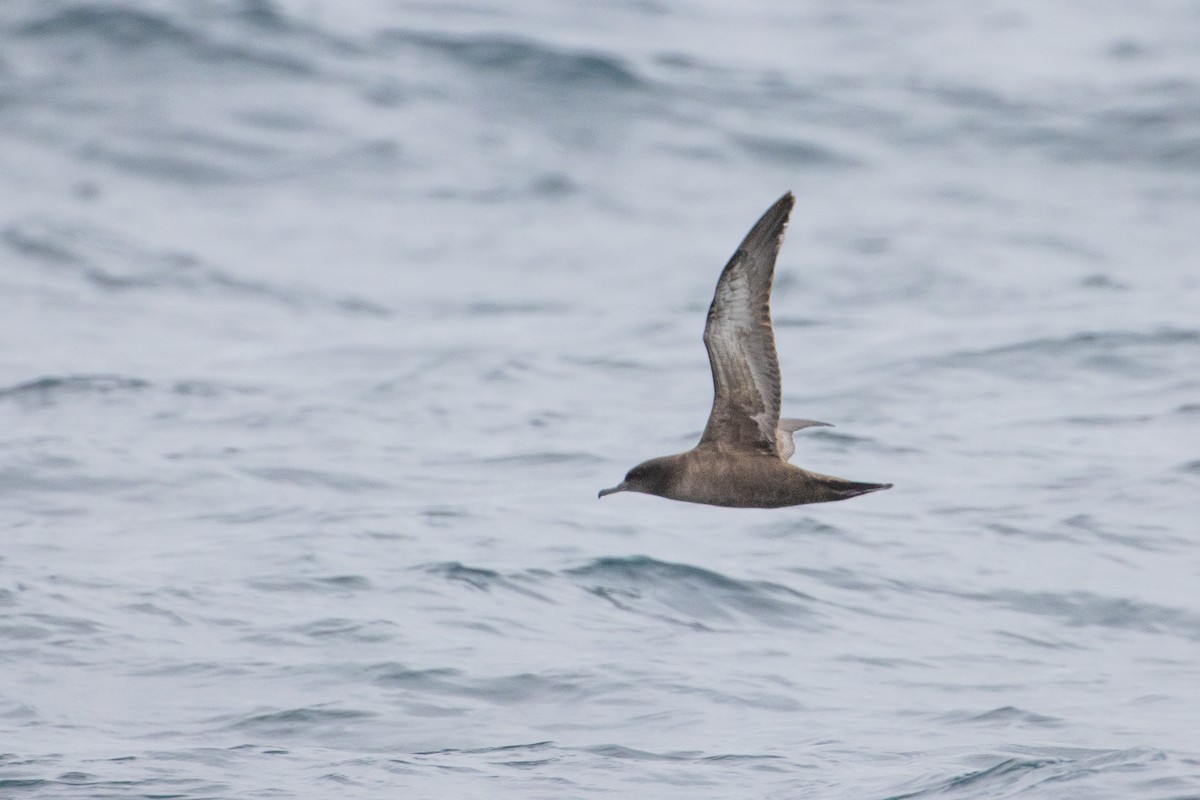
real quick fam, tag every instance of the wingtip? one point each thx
(769, 230)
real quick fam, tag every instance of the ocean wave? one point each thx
(514, 689)
(27, 477)
(1032, 771)
(1160, 129)
(51, 390)
(112, 263)
(54, 388)
(522, 59)
(118, 25)
(1003, 717)
(1128, 353)
(689, 595)
(1084, 609)
(331, 584)
(295, 721)
(548, 459)
(130, 30)
(793, 152)
(1165, 135)
(348, 482)
(484, 579)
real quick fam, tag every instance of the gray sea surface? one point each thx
(321, 324)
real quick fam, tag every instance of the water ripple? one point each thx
(1086, 609)
(1126, 353)
(689, 595)
(523, 59)
(114, 264)
(129, 29)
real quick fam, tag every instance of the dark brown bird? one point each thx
(741, 459)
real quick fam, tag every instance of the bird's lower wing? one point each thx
(787, 427)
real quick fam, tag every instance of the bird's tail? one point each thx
(841, 489)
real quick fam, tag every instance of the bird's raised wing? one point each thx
(741, 344)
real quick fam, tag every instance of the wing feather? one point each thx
(741, 344)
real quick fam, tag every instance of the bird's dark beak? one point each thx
(618, 488)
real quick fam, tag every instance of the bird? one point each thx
(741, 460)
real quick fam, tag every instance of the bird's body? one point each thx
(741, 460)
(709, 475)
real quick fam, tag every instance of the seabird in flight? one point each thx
(742, 458)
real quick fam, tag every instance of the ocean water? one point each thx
(321, 324)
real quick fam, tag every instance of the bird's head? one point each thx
(649, 477)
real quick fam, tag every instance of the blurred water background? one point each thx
(322, 322)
